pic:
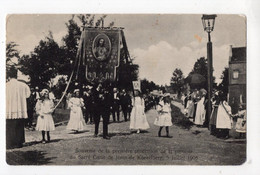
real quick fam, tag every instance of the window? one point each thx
(235, 74)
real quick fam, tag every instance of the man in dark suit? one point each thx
(31, 102)
(125, 102)
(115, 107)
(97, 105)
(106, 105)
(87, 97)
(102, 106)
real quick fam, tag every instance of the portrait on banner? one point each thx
(101, 47)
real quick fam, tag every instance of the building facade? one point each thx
(237, 77)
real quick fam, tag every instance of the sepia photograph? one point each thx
(126, 89)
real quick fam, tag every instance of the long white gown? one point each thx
(138, 118)
(190, 108)
(224, 120)
(200, 112)
(76, 121)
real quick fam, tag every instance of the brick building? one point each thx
(237, 77)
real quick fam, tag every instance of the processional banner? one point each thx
(99, 51)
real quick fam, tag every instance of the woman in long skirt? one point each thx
(138, 119)
(76, 122)
(200, 111)
(164, 118)
(189, 111)
(44, 110)
(224, 120)
(214, 113)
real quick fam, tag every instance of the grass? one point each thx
(179, 119)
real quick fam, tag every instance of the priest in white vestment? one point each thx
(16, 110)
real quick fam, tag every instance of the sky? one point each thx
(159, 43)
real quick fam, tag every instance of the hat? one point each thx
(203, 91)
(76, 90)
(44, 91)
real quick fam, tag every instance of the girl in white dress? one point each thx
(44, 109)
(164, 118)
(76, 122)
(138, 119)
(241, 121)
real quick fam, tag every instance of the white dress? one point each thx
(44, 110)
(138, 118)
(190, 109)
(200, 112)
(164, 118)
(241, 122)
(224, 120)
(76, 121)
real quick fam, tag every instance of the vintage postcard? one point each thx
(126, 89)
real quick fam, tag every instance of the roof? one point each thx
(238, 54)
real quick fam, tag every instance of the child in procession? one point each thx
(164, 118)
(241, 122)
(44, 110)
(76, 122)
(138, 120)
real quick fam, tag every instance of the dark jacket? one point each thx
(125, 101)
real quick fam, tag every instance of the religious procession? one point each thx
(109, 95)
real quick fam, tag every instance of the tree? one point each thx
(223, 86)
(11, 52)
(177, 81)
(201, 67)
(44, 63)
(148, 86)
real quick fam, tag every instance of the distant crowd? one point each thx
(221, 119)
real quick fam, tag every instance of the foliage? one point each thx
(200, 67)
(177, 81)
(223, 86)
(11, 52)
(148, 86)
(49, 60)
(44, 63)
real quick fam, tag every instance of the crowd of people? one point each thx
(221, 119)
(87, 105)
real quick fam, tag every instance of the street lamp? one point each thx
(208, 22)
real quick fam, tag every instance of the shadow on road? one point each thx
(179, 119)
(27, 158)
(120, 134)
(196, 132)
(40, 142)
(79, 132)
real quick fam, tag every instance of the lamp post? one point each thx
(208, 22)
